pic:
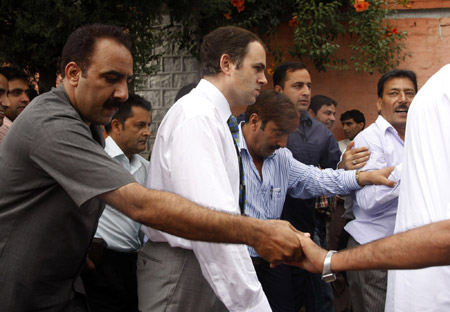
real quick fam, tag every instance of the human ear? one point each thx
(226, 64)
(278, 89)
(73, 73)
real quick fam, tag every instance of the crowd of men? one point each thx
(88, 224)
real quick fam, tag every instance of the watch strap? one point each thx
(327, 275)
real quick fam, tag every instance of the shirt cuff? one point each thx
(350, 180)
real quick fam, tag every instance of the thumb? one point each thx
(350, 145)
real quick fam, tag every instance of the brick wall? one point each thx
(428, 43)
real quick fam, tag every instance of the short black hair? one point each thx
(396, 73)
(354, 114)
(13, 73)
(280, 73)
(317, 101)
(2, 72)
(81, 43)
(230, 40)
(125, 112)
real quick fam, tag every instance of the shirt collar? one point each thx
(116, 153)
(305, 118)
(7, 122)
(384, 125)
(216, 97)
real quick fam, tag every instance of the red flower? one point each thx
(361, 5)
(240, 8)
(227, 15)
(293, 22)
(237, 3)
(391, 31)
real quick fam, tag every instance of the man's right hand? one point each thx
(277, 241)
(314, 256)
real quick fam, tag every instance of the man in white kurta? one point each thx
(424, 194)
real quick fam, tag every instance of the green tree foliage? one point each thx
(318, 25)
(33, 32)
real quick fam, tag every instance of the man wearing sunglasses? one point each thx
(18, 96)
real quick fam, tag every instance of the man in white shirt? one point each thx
(353, 122)
(424, 198)
(4, 102)
(422, 225)
(18, 95)
(195, 156)
(375, 207)
(111, 281)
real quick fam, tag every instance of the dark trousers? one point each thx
(284, 286)
(337, 241)
(323, 293)
(112, 285)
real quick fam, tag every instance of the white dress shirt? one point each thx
(343, 145)
(118, 231)
(375, 206)
(194, 156)
(423, 195)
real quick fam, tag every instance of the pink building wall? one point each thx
(428, 26)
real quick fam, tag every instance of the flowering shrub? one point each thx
(361, 5)
(318, 24)
(375, 46)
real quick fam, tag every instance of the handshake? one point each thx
(290, 246)
(279, 242)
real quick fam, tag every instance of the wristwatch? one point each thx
(327, 275)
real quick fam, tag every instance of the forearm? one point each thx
(428, 245)
(176, 215)
(309, 181)
(274, 240)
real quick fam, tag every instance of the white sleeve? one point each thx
(202, 163)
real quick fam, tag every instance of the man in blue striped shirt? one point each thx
(271, 172)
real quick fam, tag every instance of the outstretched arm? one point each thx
(274, 240)
(425, 246)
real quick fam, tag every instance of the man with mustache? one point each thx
(375, 207)
(110, 280)
(18, 96)
(56, 179)
(271, 172)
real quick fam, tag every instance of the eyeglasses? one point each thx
(18, 92)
